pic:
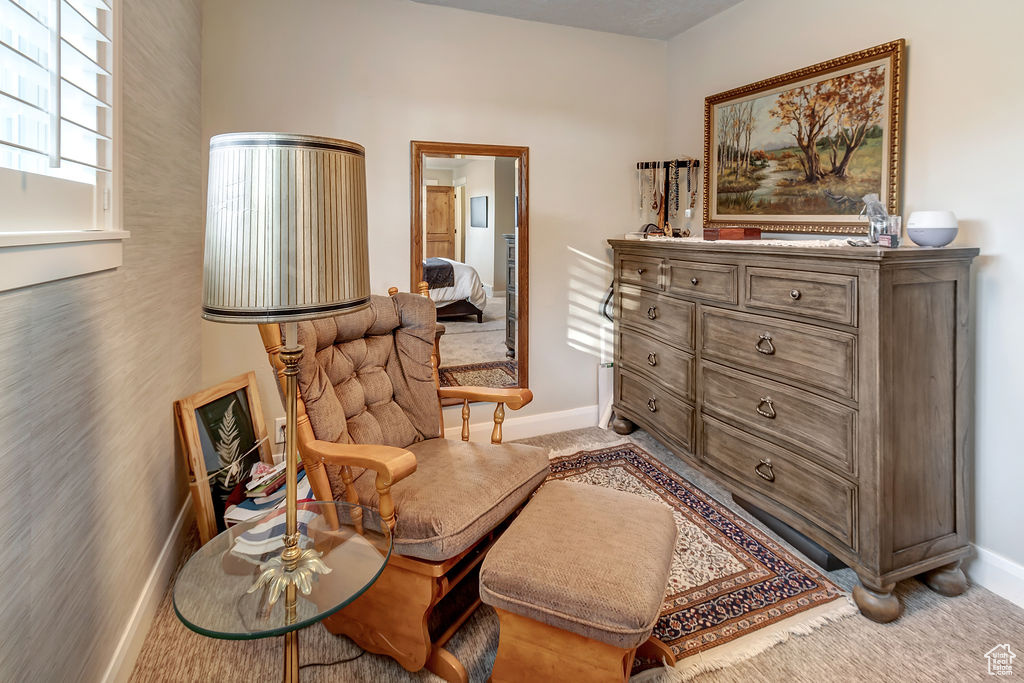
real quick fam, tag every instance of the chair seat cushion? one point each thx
(459, 492)
(585, 559)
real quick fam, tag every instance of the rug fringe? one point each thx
(749, 646)
(592, 445)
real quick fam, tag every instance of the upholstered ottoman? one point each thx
(577, 581)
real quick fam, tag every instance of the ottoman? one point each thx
(578, 581)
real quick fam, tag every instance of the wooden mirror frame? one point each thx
(421, 149)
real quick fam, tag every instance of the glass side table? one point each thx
(214, 594)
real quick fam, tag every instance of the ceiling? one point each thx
(662, 19)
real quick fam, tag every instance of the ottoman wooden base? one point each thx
(531, 652)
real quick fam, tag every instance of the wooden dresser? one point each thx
(511, 310)
(831, 387)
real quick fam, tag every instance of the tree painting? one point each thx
(811, 149)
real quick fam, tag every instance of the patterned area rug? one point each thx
(499, 373)
(731, 585)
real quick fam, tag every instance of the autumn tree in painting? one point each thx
(843, 109)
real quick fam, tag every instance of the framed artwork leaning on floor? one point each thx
(797, 152)
(222, 435)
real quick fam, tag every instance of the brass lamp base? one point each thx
(277, 574)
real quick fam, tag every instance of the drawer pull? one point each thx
(795, 294)
(652, 312)
(652, 359)
(694, 281)
(652, 405)
(768, 474)
(764, 345)
(640, 271)
(765, 408)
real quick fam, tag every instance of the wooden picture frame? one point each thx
(221, 422)
(797, 152)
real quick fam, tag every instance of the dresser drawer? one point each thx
(793, 352)
(816, 295)
(821, 429)
(668, 318)
(640, 270)
(663, 412)
(708, 281)
(810, 492)
(669, 366)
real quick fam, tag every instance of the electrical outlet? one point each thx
(279, 429)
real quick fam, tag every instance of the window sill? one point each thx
(32, 258)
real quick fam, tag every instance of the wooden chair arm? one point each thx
(390, 464)
(515, 397)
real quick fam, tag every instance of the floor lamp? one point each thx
(285, 241)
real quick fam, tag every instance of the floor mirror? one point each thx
(470, 243)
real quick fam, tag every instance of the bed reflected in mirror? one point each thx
(469, 237)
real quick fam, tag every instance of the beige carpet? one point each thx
(467, 342)
(936, 639)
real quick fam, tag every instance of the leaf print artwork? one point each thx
(228, 444)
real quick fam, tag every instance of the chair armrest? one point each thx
(514, 398)
(393, 464)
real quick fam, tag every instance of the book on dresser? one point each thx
(828, 386)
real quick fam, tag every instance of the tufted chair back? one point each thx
(366, 378)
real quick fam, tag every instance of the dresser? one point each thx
(829, 386)
(511, 311)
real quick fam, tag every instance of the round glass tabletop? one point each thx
(212, 593)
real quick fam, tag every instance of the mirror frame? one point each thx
(421, 149)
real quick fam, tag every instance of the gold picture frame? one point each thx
(849, 108)
(224, 421)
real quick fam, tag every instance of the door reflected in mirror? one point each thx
(469, 237)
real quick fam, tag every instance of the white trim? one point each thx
(518, 427)
(1002, 576)
(33, 258)
(134, 635)
(31, 238)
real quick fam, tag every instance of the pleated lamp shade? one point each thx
(285, 228)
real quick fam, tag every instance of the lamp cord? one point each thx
(337, 661)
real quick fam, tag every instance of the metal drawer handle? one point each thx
(652, 359)
(652, 312)
(768, 410)
(768, 475)
(769, 348)
(694, 281)
(795, 294)
(652, 405)
(640, 271)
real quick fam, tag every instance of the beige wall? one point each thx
(504, 215)
(588, 105)
(962, 151)
(91, 479)
(479, 254)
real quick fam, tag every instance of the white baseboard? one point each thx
(128, 648)
(998, 574)
(518, 427)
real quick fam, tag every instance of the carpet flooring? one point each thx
(465, 341)
(936, 639)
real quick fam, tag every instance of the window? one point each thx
(56, 114)
(58, 141)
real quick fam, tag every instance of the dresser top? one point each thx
(792, 248)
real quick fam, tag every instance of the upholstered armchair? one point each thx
(370, 431)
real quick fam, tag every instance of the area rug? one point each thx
(499, 373)
(733, 590)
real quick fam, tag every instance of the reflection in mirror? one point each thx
(466, 246)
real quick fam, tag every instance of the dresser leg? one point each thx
(948, 580)
(877, 605)
(622, 426)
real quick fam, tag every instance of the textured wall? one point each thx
(384, 72)
(90, 480)
(959, 154)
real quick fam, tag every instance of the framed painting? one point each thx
(222, 435)
(797, 152)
